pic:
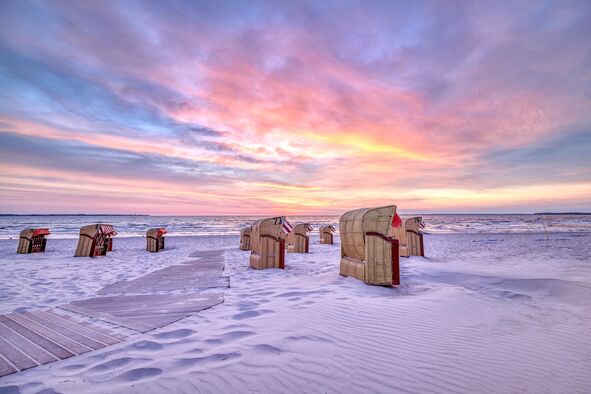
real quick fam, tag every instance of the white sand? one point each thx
(471, 318)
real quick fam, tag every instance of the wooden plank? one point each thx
(41, 341)
(106, 339)
(133, 325)
(17, 358)
(163, 320)
(27, 347)
(86, 341)
(6, 368)
(140, 312)
(190, 275)
(55, 336)
(93, 327)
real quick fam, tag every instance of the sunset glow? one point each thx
(294, 107)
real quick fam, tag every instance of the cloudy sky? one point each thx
(252, 107)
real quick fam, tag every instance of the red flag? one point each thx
(396, 221)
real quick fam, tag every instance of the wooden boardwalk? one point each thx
(151, 301)
(29, 339)
(193, 275)
(144, 312)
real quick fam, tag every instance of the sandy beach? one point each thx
(482, 313)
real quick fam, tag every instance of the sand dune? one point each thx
(453, 326)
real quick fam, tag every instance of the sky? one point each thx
(294, 107)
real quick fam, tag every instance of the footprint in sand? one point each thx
(267, 349)
(175, 334)
(217, 357)
(138, 374)
(10, 390)
(111, 365)
(234, 336)
(146, 345)
(248, 305)
(250, 314)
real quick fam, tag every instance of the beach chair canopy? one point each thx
(245, 231)
(93, 230)
(269, 227)
(156, 232)
(29, 233)
(327, 229)
(353, 226)
(414, 224)
(298, 240)
(300, 229)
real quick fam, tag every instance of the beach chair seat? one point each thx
(368, 252)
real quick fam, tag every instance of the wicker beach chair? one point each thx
(414, 236)
(327, 234)
(368, 252)
(267, 242)
(298, 240)
(410, 237)
(32, 240)
(95, 240)
(155, 239)
(245, 238)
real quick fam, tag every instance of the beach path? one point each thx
(204, 272)
(144, 312)
(157, 299)
(29, 339)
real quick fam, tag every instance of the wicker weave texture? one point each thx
(355, 224)
(378, 261)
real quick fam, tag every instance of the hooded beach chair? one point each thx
(95, 240)
(267, 243)
(245, 238)
(327, 234)
(410, 237)
(32, 240)
(414, 236)
(155, 239)
(368, 252)
(298, 240)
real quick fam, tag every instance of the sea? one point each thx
(68, 226)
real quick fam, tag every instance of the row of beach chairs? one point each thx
(372, 242)
(95, 240)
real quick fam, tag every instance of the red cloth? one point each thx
(396, 221)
